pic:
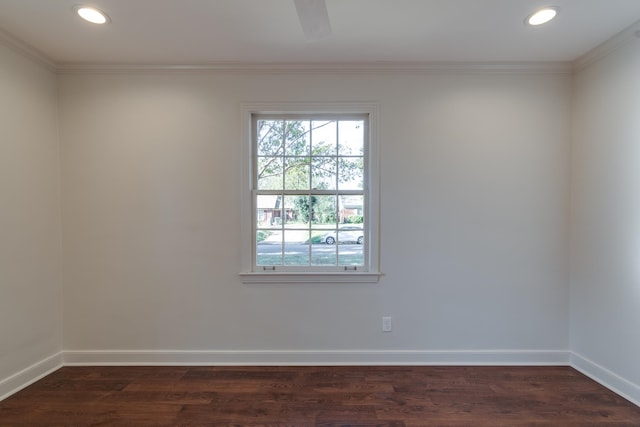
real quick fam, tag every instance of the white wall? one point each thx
(474, 211)
(30, 283)
(605, 304)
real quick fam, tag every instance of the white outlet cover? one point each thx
(386, 324)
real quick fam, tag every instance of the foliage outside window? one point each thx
(309, 192)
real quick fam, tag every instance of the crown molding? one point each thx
(26, 50)
(328, 67)
(626, 36)
(429, 67)
(433, 67)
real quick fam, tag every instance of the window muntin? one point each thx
(309, 192)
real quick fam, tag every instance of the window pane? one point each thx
(323, 138)
(327, 235)
(270, 137)
(350, 234)
(268, 247)
(268, 211)
(292, 209)
(350, 173)
(351, 210)
(324, 210)
(269, 173)
(297, 138)
(302, 209)
(324, 249)
(351, 138)
(323, 254)
(296, 249)
(350, 254)
(296, 173)
(323, 173)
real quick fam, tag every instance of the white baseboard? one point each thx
(610, 380)
(316, 358)
(29, 375)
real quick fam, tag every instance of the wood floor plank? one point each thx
(384, 396)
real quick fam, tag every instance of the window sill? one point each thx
(315, 277)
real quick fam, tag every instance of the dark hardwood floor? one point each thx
(317, 396)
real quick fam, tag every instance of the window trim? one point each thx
(252, 275)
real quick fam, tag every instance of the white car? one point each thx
(348, 234)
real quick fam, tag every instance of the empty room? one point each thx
(320, 212)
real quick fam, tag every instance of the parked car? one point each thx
(347, 234)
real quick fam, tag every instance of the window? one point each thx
(311, 194)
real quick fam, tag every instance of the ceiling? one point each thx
(268, 31)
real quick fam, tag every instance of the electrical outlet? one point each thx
(386, 324)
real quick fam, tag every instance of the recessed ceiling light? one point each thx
(542, 16)
(93, 15)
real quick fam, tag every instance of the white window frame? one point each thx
(312, 274)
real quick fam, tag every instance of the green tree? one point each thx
(325, 210)
(304, 207)
(316, 209)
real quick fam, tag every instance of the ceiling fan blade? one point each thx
(314, 18)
